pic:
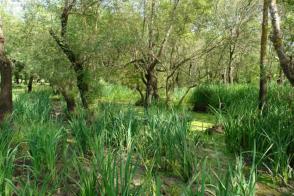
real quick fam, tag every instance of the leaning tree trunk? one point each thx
(70, 101)
(75, 60)
(286, 62)
(263, 50)
(6, 80)
(82, 83)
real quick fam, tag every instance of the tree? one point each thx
(263, 51)
(6, 79)
(152, 47)
(75, 60)
(286, 61)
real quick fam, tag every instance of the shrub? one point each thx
(272, 130)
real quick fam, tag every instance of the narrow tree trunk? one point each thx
(280, 79)
(6, 80)
(151, 87)
(6, 88)
(70, 101)
(148, 97)
(30, 84)
(230, 67)
(82, 84)
(168, 86)
(76, 61)
(155, 94)
(142, 97)
(286, 62)
(263, 51)
(78, 67)
(16, 77)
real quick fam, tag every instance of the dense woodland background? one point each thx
(115, 84)
(163, 44)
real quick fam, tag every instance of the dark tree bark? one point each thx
(263, 51)
(18, 68)
(6, 80)
(154, 52)
(75, 60)
(30, 84)
(286, 62)
(148, 98)
(230, 67)
(280, 79)
(234, 32)
(70, 101)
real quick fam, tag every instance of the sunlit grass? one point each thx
(122, 150)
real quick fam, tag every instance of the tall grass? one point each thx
(244, 124)
(33, 107)
(43, 143)
(100, 154)
(166, 139)
(114, 92)
(7, 158)
(207, 98)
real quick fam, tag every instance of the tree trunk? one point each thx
(76, 61)
(230, 73)
(6, 80)
(78, 67)
(82, 84)
(151, 87)
(70, 101)
(263, 51)
(148, 98)
(286, 62)
(16, 77)
(6, 88)
(155, 94)
(30, 84)
(280, 79)
(142, 97)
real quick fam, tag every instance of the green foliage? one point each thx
(271, 130)
(100, 154)
(33, 107)
(113, 92)
(43, 143)
(221, 97)
(7, 159)
(166, 138)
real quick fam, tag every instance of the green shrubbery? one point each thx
(114, 92)
(207, 98)
(271, 131)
